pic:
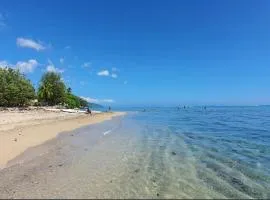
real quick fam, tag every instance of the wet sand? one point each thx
(25, 130)
(73, 165)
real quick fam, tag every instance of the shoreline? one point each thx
(16, 138)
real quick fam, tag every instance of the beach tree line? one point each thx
(17, 90)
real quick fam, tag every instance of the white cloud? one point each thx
(52, 68)
(27, 66)
(4, 63)
(114, 70)
(93, 100)
(86, 64)
(29, 43)
(24, 66)
(62, 60)
(103, 73)
(114, 75)
(67, 47)
(90, 100)
(107, 73)
(125, 82)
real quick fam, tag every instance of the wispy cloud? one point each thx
(107, 73)
(51, 68)
(86, 65)
(94, 100)
(29, 43)
(4, 63)
(114, 69)
(27, 66)
(114, 75)
(103, 73)
(66, 79)
(67, 47)
(107, 100)
(125, 82)
(23, 66)
(62, 60)
(82, 83)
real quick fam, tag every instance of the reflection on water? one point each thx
(220, 152)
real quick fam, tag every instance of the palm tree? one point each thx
(45, 92)
(51, 90)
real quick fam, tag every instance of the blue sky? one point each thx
(144, 52)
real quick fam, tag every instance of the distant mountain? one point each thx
(95, 106)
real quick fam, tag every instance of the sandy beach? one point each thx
(20, 130)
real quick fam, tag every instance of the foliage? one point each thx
(83, 103)
(15, 89)
(52, 90)
(69, 90)
(73, 101)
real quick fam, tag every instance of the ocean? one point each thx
(217, 152)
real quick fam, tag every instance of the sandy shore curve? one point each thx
(21, 130)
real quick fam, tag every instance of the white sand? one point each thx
(20, 130)
(11, 119)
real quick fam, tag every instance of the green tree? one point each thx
(15, 89)
(83, 103)
(52, 90)
(73, 101)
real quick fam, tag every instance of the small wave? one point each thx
(107, 132)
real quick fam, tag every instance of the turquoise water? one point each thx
(213, 152)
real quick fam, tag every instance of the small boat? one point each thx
(73, 111)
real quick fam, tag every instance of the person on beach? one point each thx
(89, 111)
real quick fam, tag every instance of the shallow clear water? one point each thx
(218, 152)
